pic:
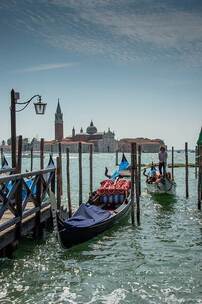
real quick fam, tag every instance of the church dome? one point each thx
(91, 129)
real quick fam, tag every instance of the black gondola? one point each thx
(100, 213)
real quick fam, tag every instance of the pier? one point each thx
(24, 206)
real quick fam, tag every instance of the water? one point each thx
(158, 262)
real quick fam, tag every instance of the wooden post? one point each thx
(19, 166)
(91, 168)
(18, 201)
(80, 173)
(199, 176)
(137, 187)
(186, 171)
(68, 184)
(31, 159)
(60, 156)
(139, 168)
(133, 147)
(13, 128)
(196, 160)
(58, 173)
(2, 156)
(53, 183)
(37, 228)
(42, 154)
(172, 164)
(117, 158)
(51, 150)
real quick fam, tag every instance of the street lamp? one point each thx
(40, 108)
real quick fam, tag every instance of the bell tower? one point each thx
(59, 123)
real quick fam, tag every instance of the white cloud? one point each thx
(46, 67)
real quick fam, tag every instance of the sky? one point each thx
(132, 65)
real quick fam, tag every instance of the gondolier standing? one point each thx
(163, 155)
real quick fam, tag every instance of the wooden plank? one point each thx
(8, 235)
(13, 177)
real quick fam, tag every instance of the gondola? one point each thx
(160, 184)
(164, 186)
(105, 207)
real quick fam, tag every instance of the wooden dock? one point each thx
(24, 206)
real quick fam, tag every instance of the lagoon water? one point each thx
(158, 262)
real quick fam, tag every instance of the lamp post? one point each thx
(39, 109)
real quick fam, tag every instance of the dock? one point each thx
(24, 206)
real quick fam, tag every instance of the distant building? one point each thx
(103, 141)
(147, 145)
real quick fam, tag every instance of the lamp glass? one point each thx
(40, 107)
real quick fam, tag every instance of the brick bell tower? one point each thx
(59, 123)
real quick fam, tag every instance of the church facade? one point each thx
(104, 142)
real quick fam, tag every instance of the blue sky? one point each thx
(132, 65)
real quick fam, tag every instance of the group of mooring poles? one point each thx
(135, 179)
(198, 171)
(68, 178)
(135, 176)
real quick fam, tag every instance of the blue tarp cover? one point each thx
(86, 216)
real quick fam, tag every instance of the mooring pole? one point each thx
(200, 176)
(31, 159)
(60, 156)
(91, 168)
(58, 173)
(196, 160)
(137, 187)
(186, 170)
(172, 168)
(13, 128)
(2, 156)
(42, 154)
(199, 143)
(51, 150)
(68, 184)
(133, 147)
(80, 173)
(19, 164)
(117, 158)
(139, 169)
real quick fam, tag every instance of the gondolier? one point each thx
(163, 155)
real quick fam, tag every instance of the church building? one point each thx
(104, 142)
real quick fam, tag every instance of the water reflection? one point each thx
(166, 201)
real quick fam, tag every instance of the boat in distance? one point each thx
(164, 186)
(157, 183)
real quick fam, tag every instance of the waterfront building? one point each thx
(102, 141)
(147, 145)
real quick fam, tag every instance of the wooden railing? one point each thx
(8, 170)
(17, 191)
